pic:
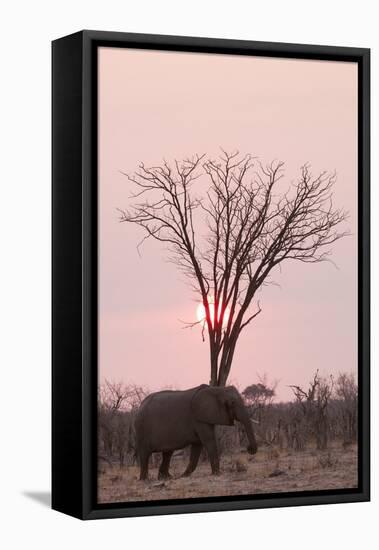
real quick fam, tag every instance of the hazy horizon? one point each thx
(155, 105)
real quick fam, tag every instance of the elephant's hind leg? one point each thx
(165, 464)
(194, 458)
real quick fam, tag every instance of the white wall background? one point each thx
(27, 29)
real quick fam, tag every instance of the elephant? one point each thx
(170, 420)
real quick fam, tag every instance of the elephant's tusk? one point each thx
(254, 421)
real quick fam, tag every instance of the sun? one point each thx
(200, 313)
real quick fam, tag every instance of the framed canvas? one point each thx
(210, 275)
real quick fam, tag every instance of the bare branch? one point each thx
(253, 225)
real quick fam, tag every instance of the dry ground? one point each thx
(269, 471)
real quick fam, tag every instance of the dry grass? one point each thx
(269, 471)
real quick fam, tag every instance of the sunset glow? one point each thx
(147, 295)
(200, 314)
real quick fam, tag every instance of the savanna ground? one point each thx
(270, 471)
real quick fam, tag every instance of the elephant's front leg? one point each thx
(208, 439)
(194, 458)
(165, 464)
(144, 465)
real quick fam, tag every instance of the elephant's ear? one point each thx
(210, 405)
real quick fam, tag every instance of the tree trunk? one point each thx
(213, 379)
(226, 363)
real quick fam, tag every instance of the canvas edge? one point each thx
(67, 385)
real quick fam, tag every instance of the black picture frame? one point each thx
(74, 272)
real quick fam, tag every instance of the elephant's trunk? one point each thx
(245, 420)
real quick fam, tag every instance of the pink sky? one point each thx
(172, 105)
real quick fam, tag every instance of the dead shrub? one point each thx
(237, 465)
(327, 461)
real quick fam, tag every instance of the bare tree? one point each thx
(252, 227)
(113, 396)
(111, 400)
(346, 390)
(323, 396)
(118, 403)
(314, 405)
